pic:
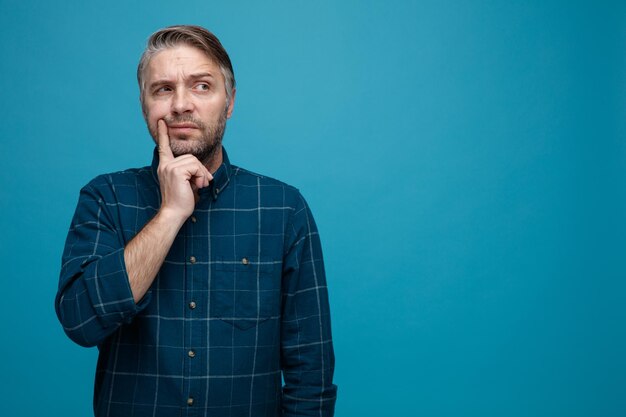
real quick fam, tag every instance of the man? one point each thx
(201, 283)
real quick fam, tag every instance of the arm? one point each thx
(307, 356)
(145, 253)
(178, 178)
(103, 284)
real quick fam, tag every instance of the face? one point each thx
(185, 88)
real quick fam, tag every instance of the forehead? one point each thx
(180, 60)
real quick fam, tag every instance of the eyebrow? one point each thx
(201, 75)
(191, 76)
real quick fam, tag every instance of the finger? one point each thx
(207, 177)
(192, 166)
(202, 177)
(192, 169)
(165, 152)
(198, 182)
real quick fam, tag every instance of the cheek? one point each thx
(156, 108)
(152, 114)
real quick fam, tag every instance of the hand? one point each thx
(179, 177)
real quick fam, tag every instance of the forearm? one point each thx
(100, 291)
(94, 296)
(178, 177)
(146, 252)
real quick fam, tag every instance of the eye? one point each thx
(203, 86)
(162, 90)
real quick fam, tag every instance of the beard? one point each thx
(204, 147)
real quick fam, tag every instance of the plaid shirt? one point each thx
(240, 299)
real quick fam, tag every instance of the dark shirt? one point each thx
(240, 298)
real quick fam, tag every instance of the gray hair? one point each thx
(195, 36)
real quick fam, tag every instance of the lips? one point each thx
(182, 126)
(182, 130)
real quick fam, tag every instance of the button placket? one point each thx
(193, 249)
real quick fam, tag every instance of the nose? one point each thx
(182, 102)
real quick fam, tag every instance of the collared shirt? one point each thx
(240, 299)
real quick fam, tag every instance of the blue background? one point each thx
(465, 162)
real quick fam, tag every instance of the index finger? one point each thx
(165, 152)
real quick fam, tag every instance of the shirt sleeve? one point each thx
(307, 357)
(94, 297)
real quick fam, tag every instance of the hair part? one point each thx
(195, 36)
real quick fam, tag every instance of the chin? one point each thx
(183, 138)
(184, 142)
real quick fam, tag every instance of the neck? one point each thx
(212, 162)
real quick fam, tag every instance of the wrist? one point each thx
(170, 217)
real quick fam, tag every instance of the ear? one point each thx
(143, 108)
(231, 105)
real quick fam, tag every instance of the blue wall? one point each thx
(466, 163)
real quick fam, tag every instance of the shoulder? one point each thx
(121, 181)
(246, 177)
(126, 177)
(267, 187)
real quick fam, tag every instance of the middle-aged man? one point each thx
(201, 283)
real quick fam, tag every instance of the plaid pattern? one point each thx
(240, 300)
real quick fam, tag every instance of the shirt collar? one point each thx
(220, 180)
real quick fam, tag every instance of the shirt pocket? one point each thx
(246, 291)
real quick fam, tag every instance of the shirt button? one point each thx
(193, 219)
(189, 401)
(192, 305)
(245, 261)
(191, 354)
(217, 190)
(192, 259)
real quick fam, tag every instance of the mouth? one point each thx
(182, 128)
(182, 125)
